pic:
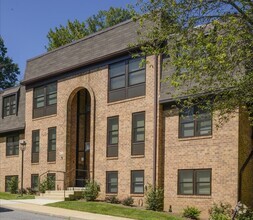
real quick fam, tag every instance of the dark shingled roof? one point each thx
(93, 48)
(13, 122)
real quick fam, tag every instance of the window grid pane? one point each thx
(194, 182)
(9, 105)
(138, 127)
(137, 181)
(195, 122)
(112, 136)
(112, 182)
(12, 145)
(52, 144)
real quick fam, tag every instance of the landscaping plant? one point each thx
(191, 212)
(91, 191)
(154, 198)
(128, 201)
(221, 211)
(13, 185)
(112, 199)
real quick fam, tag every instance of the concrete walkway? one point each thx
(37, 206)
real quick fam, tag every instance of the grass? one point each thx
(114, 210)
(9, 196)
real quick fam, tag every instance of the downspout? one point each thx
(94, 130)
(241, 172)
(155, 120)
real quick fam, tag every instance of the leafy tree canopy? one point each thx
(210, 47)
(8, 70)
(76, 30)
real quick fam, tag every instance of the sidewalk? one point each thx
(37, 206)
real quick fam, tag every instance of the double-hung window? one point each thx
(51, 144)
(45, 100)
(137, 181)
(194, 182)
(35, 146)
(9, 180)
(35, 182)
(126, 79)
(138, 133)
(9, 105)
(195, 122)
(12, 145)
(112, 182)
(112, 136)
(51, 179)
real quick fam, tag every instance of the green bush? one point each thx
(128, 201)
(13, 185)
(31, 191)
(154, 198)
(47, 184)
(43, 186)
(91, 191)
(221, 211)
(112, 199)
(191, 212)
(24, 191)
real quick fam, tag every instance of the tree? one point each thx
(210, 46)
(76, 30)
(8, 70)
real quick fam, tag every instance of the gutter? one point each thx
(155, 121)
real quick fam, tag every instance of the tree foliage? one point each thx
(210, 47)
(8, 70)
(76, 30)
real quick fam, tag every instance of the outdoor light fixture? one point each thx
(22, 148)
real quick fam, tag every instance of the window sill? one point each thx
(125, 100)
(136, 195)
(112, 158)
(51, 162)
(195, 138)
(44, 117)
(37, 163)
(137, 156)
(11, 156)
(195, 196)
(111, 194)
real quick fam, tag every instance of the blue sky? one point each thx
(24, 24)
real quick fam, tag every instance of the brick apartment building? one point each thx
(88, 110)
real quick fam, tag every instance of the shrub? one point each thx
(31, 191)
(222, 211)
(47, 184)
(43, 186)
(244, 213)
(20, 191)
(128, 201)
(91, 191)
(191, 212)
(154, 198)
(13, 185)
(112, 199)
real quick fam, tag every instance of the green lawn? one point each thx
(8, 196)
(114, 210)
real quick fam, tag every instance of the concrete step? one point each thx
(50, 197)
(76, 188)
(59, 192)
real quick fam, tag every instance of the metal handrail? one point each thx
(55, 171)
(64, 178)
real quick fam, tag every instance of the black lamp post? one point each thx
(22, 148)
